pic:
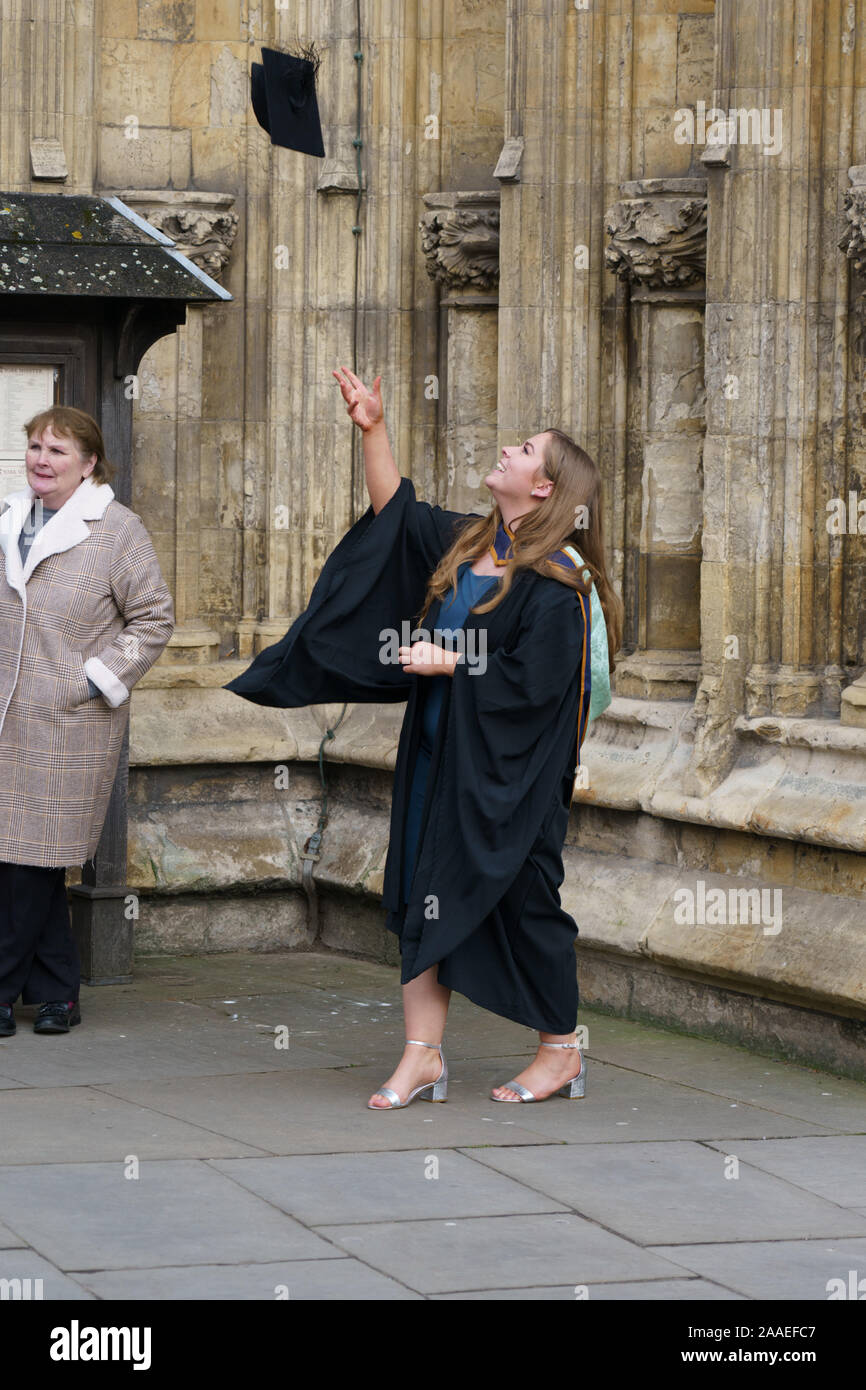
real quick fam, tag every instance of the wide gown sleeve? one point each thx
(373, 581)
(511, 739)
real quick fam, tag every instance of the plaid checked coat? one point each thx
(90, 601)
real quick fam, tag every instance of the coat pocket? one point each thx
(79, 690)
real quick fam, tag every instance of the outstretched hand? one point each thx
(364, 407)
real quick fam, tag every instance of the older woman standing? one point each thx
(84, 613)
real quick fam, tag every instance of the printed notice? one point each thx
(23, 392)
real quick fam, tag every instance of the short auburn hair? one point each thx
(69, 422)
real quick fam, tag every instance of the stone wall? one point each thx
(547, 236)
(780, 967)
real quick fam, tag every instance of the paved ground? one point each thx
(168, 1148)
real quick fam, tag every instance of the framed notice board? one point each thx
(25, 389)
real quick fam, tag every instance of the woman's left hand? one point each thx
(426, 659)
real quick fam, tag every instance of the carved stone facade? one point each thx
(659, 241)
(201, 225)
(853, 242)
(555, 243)
(461, 243)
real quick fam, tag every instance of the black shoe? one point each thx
(8, 1028)
(57, 1017)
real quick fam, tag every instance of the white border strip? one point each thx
(166, 241)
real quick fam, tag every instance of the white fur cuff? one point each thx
(114, 691)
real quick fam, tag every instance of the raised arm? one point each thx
(366, 411)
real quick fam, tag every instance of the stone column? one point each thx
(776, 332)
(658, 246)
(460, 240)
(588, 97)
(167, 426)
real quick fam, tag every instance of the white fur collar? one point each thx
(63, 530)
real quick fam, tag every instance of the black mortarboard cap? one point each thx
(283, 90)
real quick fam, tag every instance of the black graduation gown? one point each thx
(484, 903)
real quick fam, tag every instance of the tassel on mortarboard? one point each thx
(283, 91)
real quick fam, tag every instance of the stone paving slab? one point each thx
(676, 1187)
(88, 1216)
(370, 1031)
(833, 1167)
(253, 974)
(9, 1240)
(727, 1070)
(299, 1280)
(525, 1251)
(25, 1265)
(96, 1126)
(353, 990)
(621, 1106)
(781, 1269)
(262, 1167)
(383, 1186)
(643, 1290)
(138, 1041)
(224, 974)
(321, 1112)
(327, 1026)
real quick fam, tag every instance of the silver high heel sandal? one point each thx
(572, 1089)
(438, 1088)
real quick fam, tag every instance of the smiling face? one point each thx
(514, 480)
(56, 466)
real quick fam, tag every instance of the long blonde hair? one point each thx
(571, 514)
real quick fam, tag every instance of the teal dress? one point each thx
(452, 615)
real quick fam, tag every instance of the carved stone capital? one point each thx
(460, 239)
(853, 242)
(202, 225)
(658, 239)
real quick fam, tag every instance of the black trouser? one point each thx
(38, 955)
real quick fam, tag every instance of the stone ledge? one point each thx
(201, 723)
(816, 959)
(804, 733)
(638, 989)
(795, 778)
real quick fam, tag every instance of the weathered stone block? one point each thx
(135, 81)
(144, 162)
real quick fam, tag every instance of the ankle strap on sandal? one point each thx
(436, 1046)
(574, 1044)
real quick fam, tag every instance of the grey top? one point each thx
(34, 523)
